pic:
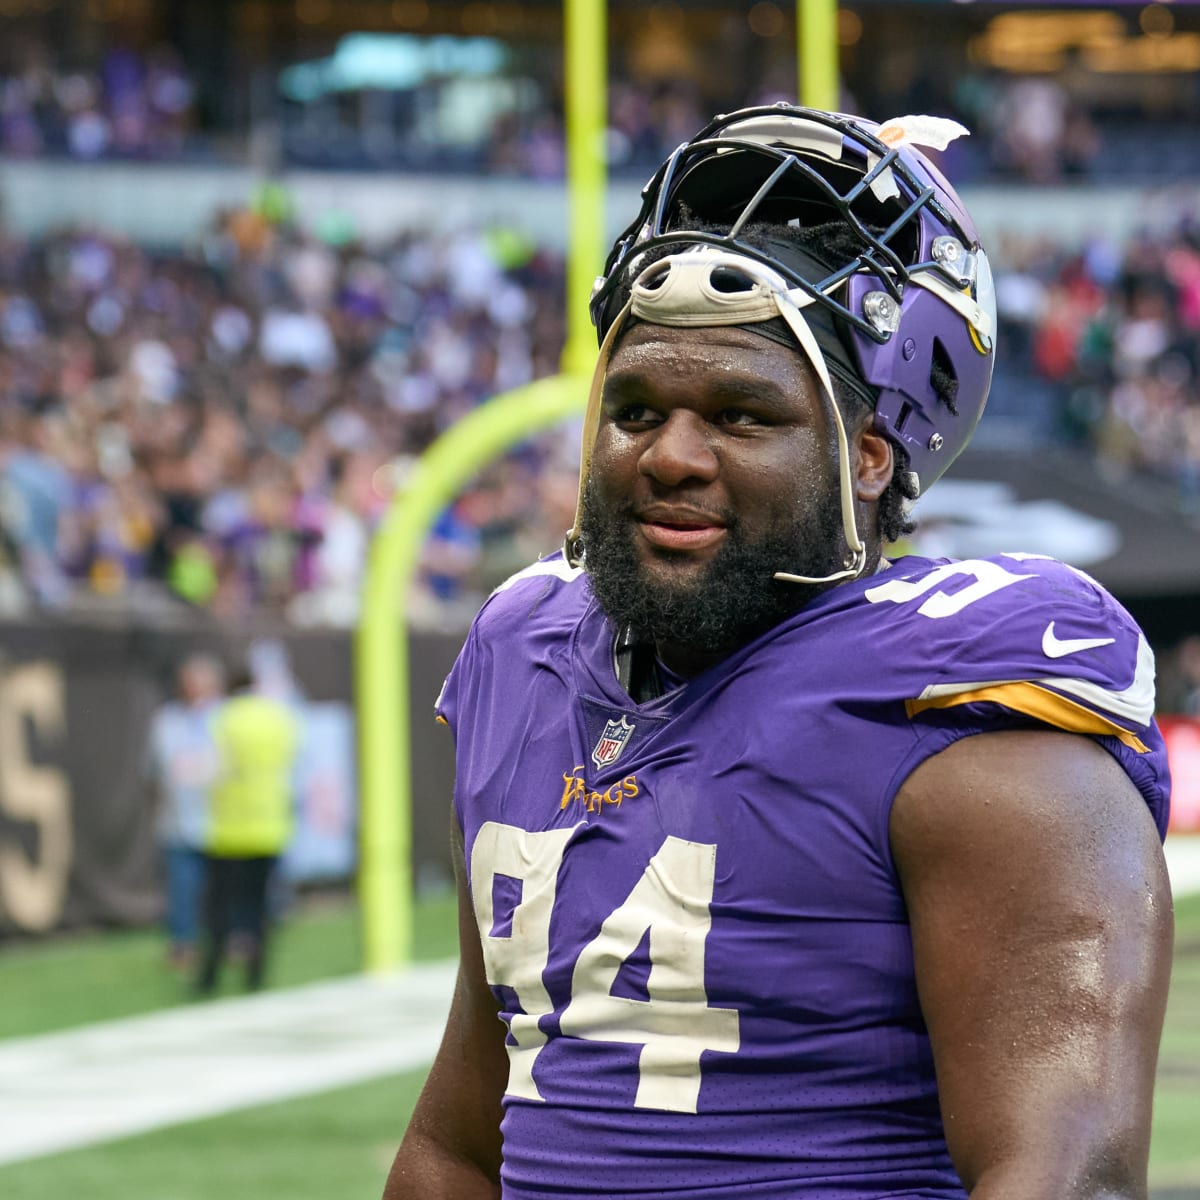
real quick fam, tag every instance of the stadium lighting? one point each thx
(391, 62)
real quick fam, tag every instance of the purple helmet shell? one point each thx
(906, 280)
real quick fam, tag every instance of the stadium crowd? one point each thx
(146, 104)
(1110, 336)
(223, 426)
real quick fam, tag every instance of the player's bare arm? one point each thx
(452, 1148)
(1042, 926)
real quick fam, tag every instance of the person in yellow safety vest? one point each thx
(250, 825)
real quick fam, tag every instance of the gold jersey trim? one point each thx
(1035, 701)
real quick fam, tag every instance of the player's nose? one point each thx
(680, 449)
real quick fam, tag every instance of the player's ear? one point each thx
(874, 466)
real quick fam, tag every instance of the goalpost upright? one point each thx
(385, 879)
(381, 643)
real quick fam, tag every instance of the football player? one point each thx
(788, 869)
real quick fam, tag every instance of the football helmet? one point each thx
(903, 290)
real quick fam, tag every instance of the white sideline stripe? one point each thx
(60, 1091)
(99, 1082)
(1183, 862)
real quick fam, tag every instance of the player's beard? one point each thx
(733, 600)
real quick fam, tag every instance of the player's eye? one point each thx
(633, 413)
(737, 416)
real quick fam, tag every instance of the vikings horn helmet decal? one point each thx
(906, 289)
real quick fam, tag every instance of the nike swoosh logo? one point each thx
(1056, 647)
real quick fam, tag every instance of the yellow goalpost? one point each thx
(381, 667)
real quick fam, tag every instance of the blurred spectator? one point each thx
(36, 501)
(128, 104)
(1179, 682)
(181, 765)
(251, 817)
(1029, 125)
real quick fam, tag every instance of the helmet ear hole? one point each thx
(942, 376)
(655, 276)
(725, 279)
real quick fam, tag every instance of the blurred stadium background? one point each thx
(256, 255)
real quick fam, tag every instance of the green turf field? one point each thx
(1175, 1150)
(336, 1146)
(339, 1144)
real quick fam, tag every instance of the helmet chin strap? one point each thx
(856, 563)
(591, 426)
(687, 298)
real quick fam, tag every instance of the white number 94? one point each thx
(671, 900)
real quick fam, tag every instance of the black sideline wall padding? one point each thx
(77, 840)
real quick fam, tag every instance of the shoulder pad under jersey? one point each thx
(526, 617)
(1021, 630)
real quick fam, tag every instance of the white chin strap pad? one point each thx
(679, 290)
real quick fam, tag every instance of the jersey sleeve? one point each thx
(1019, 641)
(501, 624)
(447, 706)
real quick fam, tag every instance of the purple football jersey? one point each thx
(688, 907)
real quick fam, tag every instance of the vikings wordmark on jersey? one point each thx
(576, 791)
(700, 951)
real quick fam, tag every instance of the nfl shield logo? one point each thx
(612, 742)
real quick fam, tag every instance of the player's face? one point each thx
(714, 467)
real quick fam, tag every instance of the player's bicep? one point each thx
(1042, 923)
(453, 1140)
